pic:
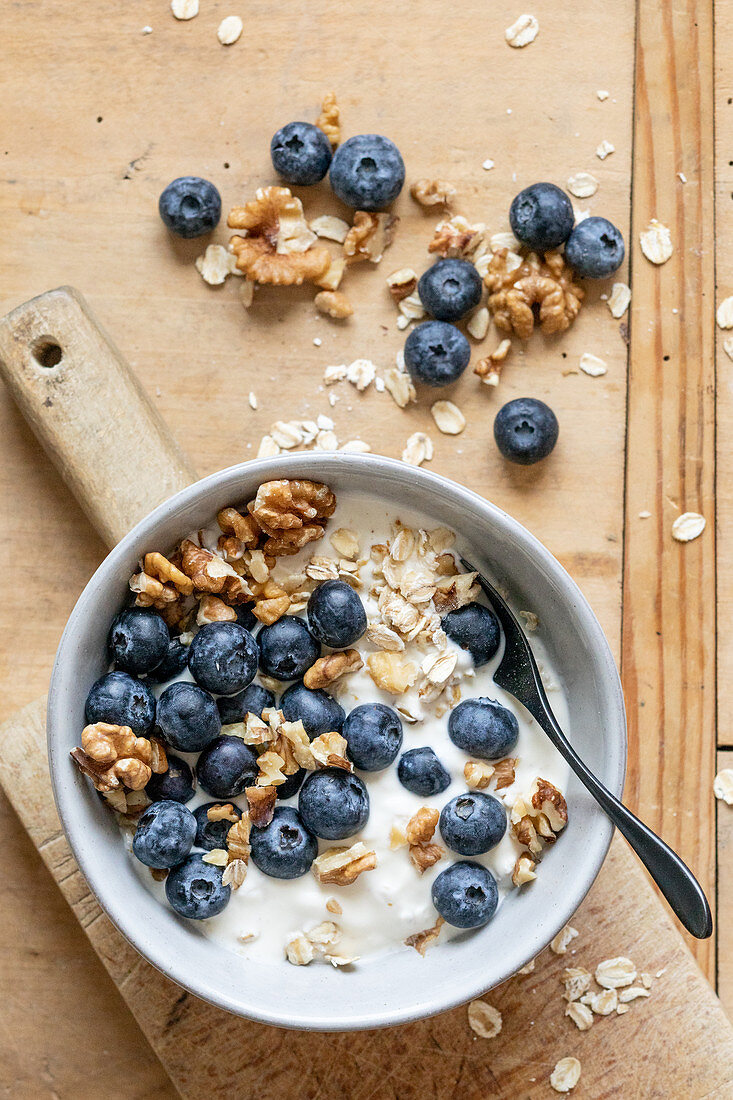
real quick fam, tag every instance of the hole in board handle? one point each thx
(47, 353)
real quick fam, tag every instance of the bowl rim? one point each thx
(316, 465)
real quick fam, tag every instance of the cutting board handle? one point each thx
(89, 412)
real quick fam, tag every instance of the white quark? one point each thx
(391, 902)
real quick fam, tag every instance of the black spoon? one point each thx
(518, 674)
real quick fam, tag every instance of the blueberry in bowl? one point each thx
(465, 894)
(595, 249)
(373, 735)
(177, 784)
(165, 834)
(226, 766)
(336, 615)
(121, 700)
(421, 772)
(172, 665)
(333, 803)
(526, 430)
(450, 289)
(483, 728)
(436, 353)
(138, 640)
(223, 658)
(315, 708)
(301, 153)
(286, 847)
(213, 834)
(541, 217)
(474, 628)
(187, 718)
(253, 700)
(367, 172)
(472, 823)
(190, 207)
(194, 889)
(287, 648)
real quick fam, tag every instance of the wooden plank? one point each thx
(725, 892)
(668, 660)
(208, 1052)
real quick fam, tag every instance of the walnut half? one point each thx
(277, 245)
(516, 291)
(112, 756)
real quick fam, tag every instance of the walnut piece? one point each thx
(504, 772)
(454, 592)
(369, 236)
(523, 870)
(334, 304)
(421, 941)
(155, 565)
(332, 667)
(489, 369)
(213, 610)
(329, 750)
(457, 237)
(261, 801)
(342, 866)
(433, 192)
(391, 672)
(112, 756)
(277, 246)
(223, 812)
(291, 505)
(545, 284)
(271, 602)
(402, 283)
(238, 846)
(548, 800)
(244, 527)
(477, 774)
(418, 834)
(328, 120)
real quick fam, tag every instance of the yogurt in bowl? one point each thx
(370, 927)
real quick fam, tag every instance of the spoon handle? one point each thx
(673, 877)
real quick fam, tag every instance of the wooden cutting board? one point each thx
(74, 408)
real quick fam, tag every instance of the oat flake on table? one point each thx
(185, 9)
(592, 365)
(688, 526)
(565, 1075)
(523, 31)
(448, 417)
(484, 1019)
(723, 786)
(582, 185)
(229, 30)
(619, 299)
(559, 945)
(724, 313)
(656, 242)
(605, 149)
(418, 449)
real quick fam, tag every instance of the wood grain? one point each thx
(210, 1053)
(668, 659)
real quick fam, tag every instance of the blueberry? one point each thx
(301, 153)
(525, 430)
(367, 172)
(178, 784)
(212, 834)
(285, 848)
(483, 728)
(374, 736)
(449, 289)
(317, 710)
(253, 700)
(474, 628)
(336, 615)
(541, 217)
(226, 767)
(123, 701)
(472, 823)
(223, 658)
(173, 663)
(436, 353)
(334, 803)
(287, 649)
(465, 894)
(195, 890)
(420, 771)
(595, 249)
(138, 640)
(187, 717)
(246, 616)
(164, 835)
(292, 784)
(190, 207)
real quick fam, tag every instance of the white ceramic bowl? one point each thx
(397, 986)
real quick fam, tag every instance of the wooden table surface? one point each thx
(98, 117)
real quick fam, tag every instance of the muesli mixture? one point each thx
(304, 744)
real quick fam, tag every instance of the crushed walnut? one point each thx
(276, 245)
(112, 756)
(421, 941)
(433, 192)
(369, 236)
(342, 866)
(545, 285)
(332, 667)
(328, 120)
